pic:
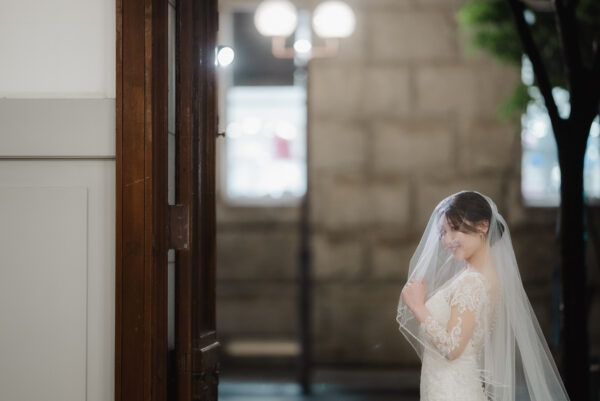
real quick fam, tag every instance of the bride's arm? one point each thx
(452, 339)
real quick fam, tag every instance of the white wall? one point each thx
(57, 199)
(57, 49)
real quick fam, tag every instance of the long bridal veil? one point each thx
(515, 362)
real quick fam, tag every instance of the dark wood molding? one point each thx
(186, 159)
(144, 220)
(141, 201)
(208, 18)
(196, 343)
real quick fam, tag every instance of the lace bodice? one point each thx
(457, 315)
(455, 332)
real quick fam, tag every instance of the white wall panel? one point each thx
(43, 243)
(56, 49)
(57, 272)
(57, 127)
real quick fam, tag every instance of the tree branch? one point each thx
(566, 25)
(536, 60)
(595, 71)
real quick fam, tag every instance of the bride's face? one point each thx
(462, 244)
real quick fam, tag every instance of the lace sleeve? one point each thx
(465, 302)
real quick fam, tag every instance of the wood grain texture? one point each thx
(205, 345)
(142, 205)
(141, 265)
(196, 343)
(186, 175)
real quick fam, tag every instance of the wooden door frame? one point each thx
(195, 318)
(144, 220)
(141, 201)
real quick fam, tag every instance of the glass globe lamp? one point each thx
(333, 19)
(276, 18)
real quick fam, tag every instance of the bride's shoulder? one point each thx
(471, 280)
(469, 291)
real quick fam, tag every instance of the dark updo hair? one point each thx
(465, 210)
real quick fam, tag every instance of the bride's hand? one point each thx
(414, 294)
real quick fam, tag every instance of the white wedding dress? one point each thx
(480, 339)
(455, 333)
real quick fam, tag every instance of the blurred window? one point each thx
(265, 150)
(540, 172)
(265, 121)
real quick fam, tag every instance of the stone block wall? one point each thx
(403, 117)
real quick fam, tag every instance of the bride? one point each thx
(465, 311)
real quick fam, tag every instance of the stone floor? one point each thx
(327, 386)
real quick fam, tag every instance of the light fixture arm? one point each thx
(279, 49)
